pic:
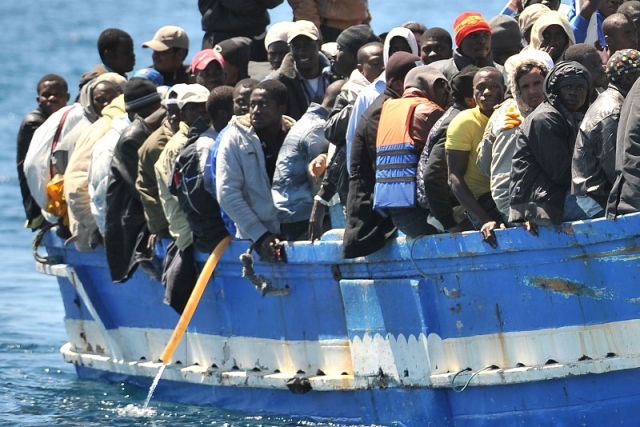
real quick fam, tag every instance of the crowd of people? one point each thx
(529, 118)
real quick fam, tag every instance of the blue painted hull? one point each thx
(545, 330)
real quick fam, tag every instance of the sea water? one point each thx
(37, 388)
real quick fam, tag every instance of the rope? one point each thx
(261, 284)
(460, 390)
(416, 266)
(37, 242)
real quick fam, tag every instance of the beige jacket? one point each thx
(178, 224)
(339, 14)
(76, 188)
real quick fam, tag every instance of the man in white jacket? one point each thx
(246, 163)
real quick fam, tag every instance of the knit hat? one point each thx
(468, 23)
(623, 62)
(505, 32)
(462, 83)
(140, 93)
(353, 38)
(400, 63)
(150, 74)
(277, 33)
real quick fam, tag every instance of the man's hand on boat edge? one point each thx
(488, 234)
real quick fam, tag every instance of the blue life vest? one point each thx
(396, 156)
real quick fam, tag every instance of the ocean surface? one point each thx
(37, 388)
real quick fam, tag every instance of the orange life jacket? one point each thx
(396, 155)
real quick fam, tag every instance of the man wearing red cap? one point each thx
(207, 69)
(472, 35)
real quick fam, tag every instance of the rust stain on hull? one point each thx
(565, 287)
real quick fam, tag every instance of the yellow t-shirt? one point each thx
(464, 134)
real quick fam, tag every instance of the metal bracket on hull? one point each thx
(67, 272)
(262, 285)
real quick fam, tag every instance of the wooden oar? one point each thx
(194, 300)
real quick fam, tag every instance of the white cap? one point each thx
(277, 33)
(193, 93)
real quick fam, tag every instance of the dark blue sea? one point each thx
(37, 388)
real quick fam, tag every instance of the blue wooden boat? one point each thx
(442, 330)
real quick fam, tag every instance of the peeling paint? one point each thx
(454, 293)
(633, 300)
(459, 325)
(610, 254)
(565, 287)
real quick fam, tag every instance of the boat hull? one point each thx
(541, 330)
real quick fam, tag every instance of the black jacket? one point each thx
(625, 195)
(541, 167)
(125, 225)
(336, 178)
(433, 188)
(201, 208)
(247, 18)
(449, 67)
(366, 230)
(297, 98)
(30, 123)
(181, 75)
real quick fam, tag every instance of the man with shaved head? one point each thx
(619, 33)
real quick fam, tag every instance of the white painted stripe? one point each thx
(332, 357)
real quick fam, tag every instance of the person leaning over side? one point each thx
(246, 163)
(470, 186)
(593, 165)
(540, 190)
(53, 94)
(170, 47)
